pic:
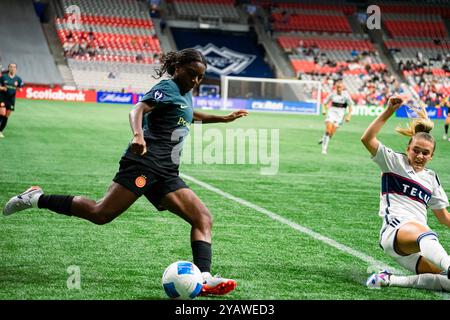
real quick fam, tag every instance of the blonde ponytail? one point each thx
(420, 124)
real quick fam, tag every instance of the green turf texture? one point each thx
(74, 148)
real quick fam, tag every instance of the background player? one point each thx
(9, 82)
(340, 100)
(408, 189)
(445, 105)
(149, 167)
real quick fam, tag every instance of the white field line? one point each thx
(368, 259)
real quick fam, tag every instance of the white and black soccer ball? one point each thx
(182, 280)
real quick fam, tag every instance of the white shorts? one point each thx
(388, 234)
(335, 116)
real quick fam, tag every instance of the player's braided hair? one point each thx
(419, 127)
(178, 58)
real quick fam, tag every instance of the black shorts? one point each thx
(142, 181)
(7, 106)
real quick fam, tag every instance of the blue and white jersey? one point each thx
(405, 193)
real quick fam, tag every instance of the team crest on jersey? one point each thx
(158, 95)
(16, 83)
(224, 61)
(140, 181)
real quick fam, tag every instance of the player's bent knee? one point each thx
(102, 216)
(203, 220)
(103, 219)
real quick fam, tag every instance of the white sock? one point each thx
(428, 281)
(326, 139)
(432, 250)
(34, 200)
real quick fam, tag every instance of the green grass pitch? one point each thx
(74, 148)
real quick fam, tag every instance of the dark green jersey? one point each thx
(9, 96)
(165, 127)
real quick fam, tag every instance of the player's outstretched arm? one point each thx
(138, 145)
(369, 138)
(443, 216)
(348, 116)
(325, 104)
(211, 118)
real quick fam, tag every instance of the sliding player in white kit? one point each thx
(340, 100)
(408, 189)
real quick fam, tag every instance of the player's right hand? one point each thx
(138, 145)
(395, 102)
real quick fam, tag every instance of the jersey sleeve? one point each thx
(439, 199)
(350, 100)
(158, 96)
(328, 99)
(386, 158)
(21, 84)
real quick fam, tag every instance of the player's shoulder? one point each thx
(392, 153)
(162, 86)
(432, 174)
(165, 84)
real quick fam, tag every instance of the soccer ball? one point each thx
(182, 280)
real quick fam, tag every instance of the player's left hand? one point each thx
(235, 115)
(138, 145)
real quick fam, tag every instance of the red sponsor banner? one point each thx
(57, 94)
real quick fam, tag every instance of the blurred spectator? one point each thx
(83, 47)
(285, 16)
(154, 11)
(91, 36)
(419, 56)
(162, 25)
(90, 49)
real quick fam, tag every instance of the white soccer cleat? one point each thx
(445, 137)
(23, 201)
(216, 285)
(378, 280)
(2, 135)
(324, 151)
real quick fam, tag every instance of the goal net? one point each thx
(268, 94)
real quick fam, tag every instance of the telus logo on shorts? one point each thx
(224, 61)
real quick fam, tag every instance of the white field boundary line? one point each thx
(373, 264)
(368, 259)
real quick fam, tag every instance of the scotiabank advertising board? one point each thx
(57, 94)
